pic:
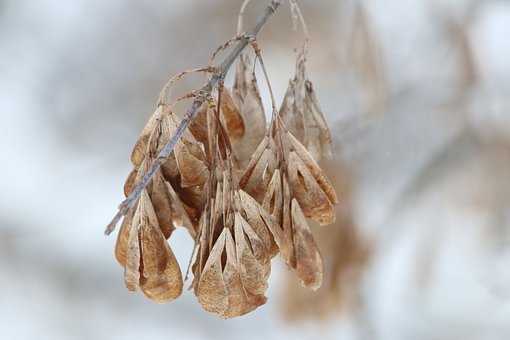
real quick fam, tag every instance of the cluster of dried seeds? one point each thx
(243, 190)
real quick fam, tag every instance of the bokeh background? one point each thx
(417, 96)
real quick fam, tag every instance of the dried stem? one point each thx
(266, 76)
(164, 92)
(204, 92)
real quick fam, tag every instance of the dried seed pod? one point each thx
(190, 157)
(232, 262)
(130, 182)
(301, 113)
(308, 259)
(171, 211)
(246, 97)
(231, 117)
(121, 246)
(317, 135)
(163, 204)
(298, 248)
(262, 223)
(310, 186)
(140, 149)
(161, 279)
(252, 258)
(198, 126)
(211, 289)
(180, 216)
(148, 261)
(259, 170)
(314, 201)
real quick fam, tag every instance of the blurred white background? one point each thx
(417, 95)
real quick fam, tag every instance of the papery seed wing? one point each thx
(231, 117)
(317, 135)
(180, 216)
(193, 170)
(198, 126)
(288, 232)
(252, 210)
(273, 198)
(190, 157)
(312, 199)
(237, 300)
(254, 270)
(311, 164)
(122, 244)
(140, 148)
(130, 182)
(133, 256)
(202, 250)
(163, 205)
(261, 175)
(246, 96)
(250, 181)
(162, 278)
(309, 265)
(211, 290)
(274, 205)
(291, 117)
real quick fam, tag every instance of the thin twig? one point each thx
(164, 92)
(204, 92)
(258, 53)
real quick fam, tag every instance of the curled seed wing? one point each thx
(309, 265)
(317, 135)
(231, 116)
(254, 270)
(252, 210)
(162, 278)
(287, 230)
(133, 256)
(246, 97)
(193, 170)
(238, 303)
(140, 148)
(130, 182)
(198, 126)
(211, 290)
(180, 216)
(202, 251)
(313, 200)
(311, 164)
(189, 155)
(121, 246)
(273, 198)
(248, 179)
(290, 115)
(162, 203)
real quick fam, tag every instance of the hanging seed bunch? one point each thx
(242, 189)
(172, 199)
(236, 239)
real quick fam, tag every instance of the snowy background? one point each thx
(421, 119)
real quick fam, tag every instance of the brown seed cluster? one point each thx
(244, 191)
